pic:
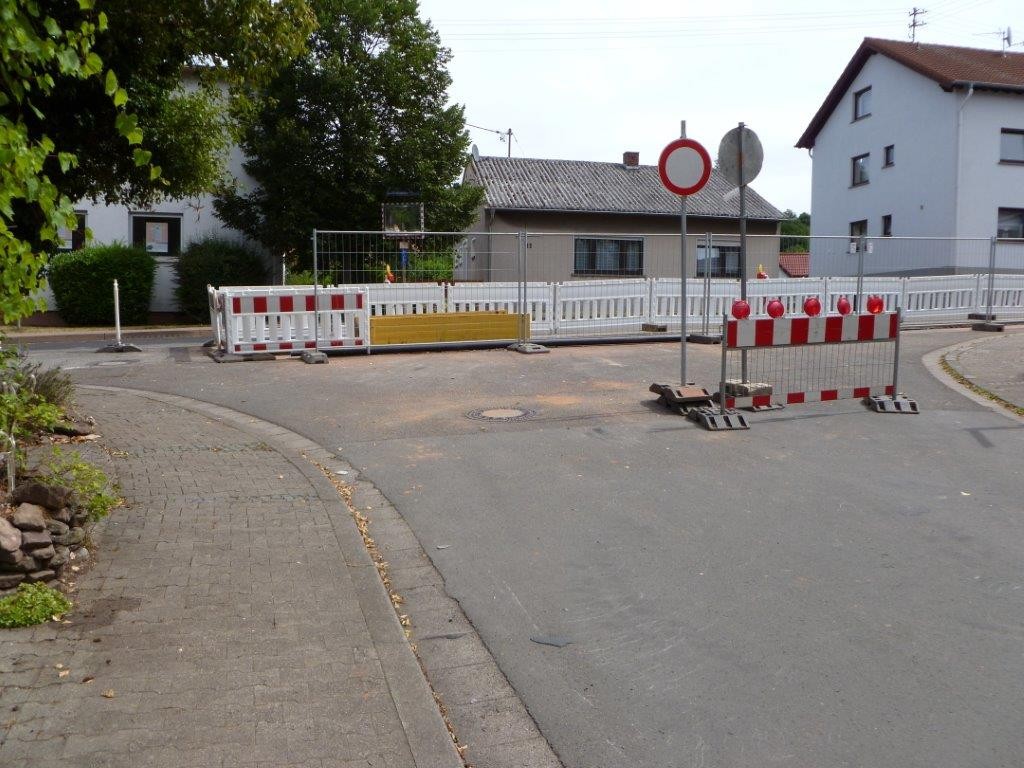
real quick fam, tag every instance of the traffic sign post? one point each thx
(684, 168)
(740, 157)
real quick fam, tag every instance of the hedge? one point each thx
(82, 282)
(217, 262)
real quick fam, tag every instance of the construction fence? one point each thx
(457, 287)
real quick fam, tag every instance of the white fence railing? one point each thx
(587, 307)
(267, 318)
(276, 319)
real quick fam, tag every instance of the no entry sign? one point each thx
(684, 167)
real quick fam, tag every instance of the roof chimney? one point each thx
(631, 159)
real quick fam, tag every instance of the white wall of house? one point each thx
(986, 184)
(196, 218)
(914, 115)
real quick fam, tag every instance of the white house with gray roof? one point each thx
(591, 220)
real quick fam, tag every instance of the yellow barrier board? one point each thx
(447, 326)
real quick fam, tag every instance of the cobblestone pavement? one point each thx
(994, 362)
(230, 619)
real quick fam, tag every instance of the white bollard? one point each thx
(117, 314)
(118, 345)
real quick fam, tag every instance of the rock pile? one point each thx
(41, 535)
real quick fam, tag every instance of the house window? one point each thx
(601, 256)
(72, 239)
(858, 229)
(859, 166)
(159, 235)
(890, 156)
(862, 103)
(1011, 145)
(887, 225)
(1011, 223)
(723, 261)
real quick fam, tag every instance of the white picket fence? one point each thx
(589, 308)
(623, 306)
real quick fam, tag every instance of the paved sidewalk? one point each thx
(233, 618)
(994, 362)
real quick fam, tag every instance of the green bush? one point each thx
(51, 384)
(215, 262)
(32, 604)
(31, 401)
(88, 483)
(300, 277)
(82, 281)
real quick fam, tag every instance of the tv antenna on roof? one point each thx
(503, 136)
(1005, 38)
(915, 22)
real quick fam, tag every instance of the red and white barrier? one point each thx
(776, 374)
(790, 331)
(819, 396)
(286, 319)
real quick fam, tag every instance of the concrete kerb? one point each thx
(933, 363)
(428, 737)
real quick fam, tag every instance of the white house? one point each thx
(918, 141)
(164, 230)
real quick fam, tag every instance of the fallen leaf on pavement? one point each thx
(108, 694)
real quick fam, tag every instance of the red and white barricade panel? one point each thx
(788, 376)
(790, 331)
(819, 396)
(286, 319)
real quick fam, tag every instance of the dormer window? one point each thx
(862, 103)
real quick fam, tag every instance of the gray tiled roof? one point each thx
(519, 183)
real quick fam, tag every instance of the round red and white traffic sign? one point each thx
(684, 167)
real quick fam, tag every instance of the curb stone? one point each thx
(932, 362)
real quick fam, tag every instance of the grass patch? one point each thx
(963, 381)
(32, 604)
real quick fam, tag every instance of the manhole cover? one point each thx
(501, 414)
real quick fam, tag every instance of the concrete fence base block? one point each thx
(115, 347)
(313, 357)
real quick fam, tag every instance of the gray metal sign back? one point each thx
(729, 163)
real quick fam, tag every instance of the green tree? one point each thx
(187, 68)
(364, 112)
(795, 231)
(65, 132)
(36, 52)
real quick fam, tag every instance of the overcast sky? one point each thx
(588, 80)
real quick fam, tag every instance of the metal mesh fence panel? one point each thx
(812, 369)
(431, 287)
(510, 286)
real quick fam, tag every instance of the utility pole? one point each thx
(915, 23)
(509, 140)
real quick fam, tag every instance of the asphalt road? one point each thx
(832, 588)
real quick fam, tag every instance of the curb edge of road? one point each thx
(72, 335)
(428, 737)
(933, 364)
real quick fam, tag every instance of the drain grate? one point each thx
(501, 414)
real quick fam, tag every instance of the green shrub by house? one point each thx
(83, 284)
(215, 262)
